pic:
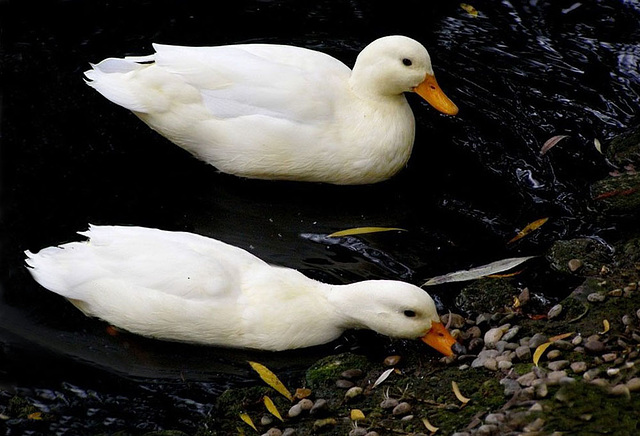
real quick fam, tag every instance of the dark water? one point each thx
(521, 72)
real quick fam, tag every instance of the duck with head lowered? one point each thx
(280, 112)
(185, 287)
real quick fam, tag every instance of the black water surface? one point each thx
(521, 72)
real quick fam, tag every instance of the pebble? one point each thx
(638, 313)
(504, 365)
(305, 404)
(558, 365)
(372, 433)
(542, 390)
(289, 432)
(633, 384)
(523, 353)
(537, 340)
(553, 378)
(526, 379)
(344, 384)
(511, 333)
(402, 409)
(578, 367)
(494, 418)
(474, 332)
(295, 410)
(627, 320)
(609, 357)
(620, 390)
(594, 346)
(577, 340)
(534, 426)
(266, 420)
(511, 387)
(574, 265)
(591, 374)
(358, 431)
(553, 354)
(453, 320)
(486, 317)
(475, 344)
(352, 374)
(319, 406)
(491, 364)
(555, 311)
(615, 293)
(596, 297)
(389, 403)
(487, 430)
(495, 334)
(392, 360)
(483, 356)
(353, 392)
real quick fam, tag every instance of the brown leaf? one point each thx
(551, 142)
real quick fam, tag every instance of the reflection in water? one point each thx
(521, 72)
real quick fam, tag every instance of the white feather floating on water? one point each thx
(478, 272)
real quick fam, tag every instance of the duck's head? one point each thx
(396, 64)
(395, 309)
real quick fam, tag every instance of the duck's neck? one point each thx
(351, 303)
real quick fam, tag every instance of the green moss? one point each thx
(486, 296)
(328, 370)
(585, 409)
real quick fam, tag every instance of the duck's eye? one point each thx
(409, 313)
(407, 62)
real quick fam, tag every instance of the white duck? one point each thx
(280, 112)
(185, 287)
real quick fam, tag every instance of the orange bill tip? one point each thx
(439, 338)
(431, 92)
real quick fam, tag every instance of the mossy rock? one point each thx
(625, 149)
(486, 296)
(326, 371)
(617, 195)
(590, 252)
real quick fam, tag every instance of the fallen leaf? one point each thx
(504, 276)
(247, 419)
(528, 229)
(596, 143)
(539, 352)
(36, 416)
(383, 377)
(459, 396)
(559, 337)
(606, 326)
(364, 230)
(551, 142)
(356, 415)
(429, 426)
(478, 272)
(302, 393)
(268, 403)
(271, 379)
(470, 9)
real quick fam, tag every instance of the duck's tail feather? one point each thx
(113, 79)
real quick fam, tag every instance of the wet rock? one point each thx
(578, 367)
(523, 353)
(344, 384)
(305, 404)
(352, 374)
(319, 406)
(594, 346)
(389, 403)
(574, 265)
(295, 411)
(555, 311)
(401, 409)
(537, 340)
(596, 297)
(454, 320)
(493, 335)
(558, 365)
(392, 360)
(353, 392)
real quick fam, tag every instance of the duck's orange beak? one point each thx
(439, 338)
(430, 91)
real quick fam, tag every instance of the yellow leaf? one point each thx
(459, 396)
(470, 9)
(606, 326)
(302, 393)
(357, 415)
(363, 230)
(539, 352)
(271, 379)
(268, 403)
(559, 337)
(35, 416)
(247, 419)
(528, 229)
(432, 428)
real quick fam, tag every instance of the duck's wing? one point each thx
(277, 81)
(180, 264)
